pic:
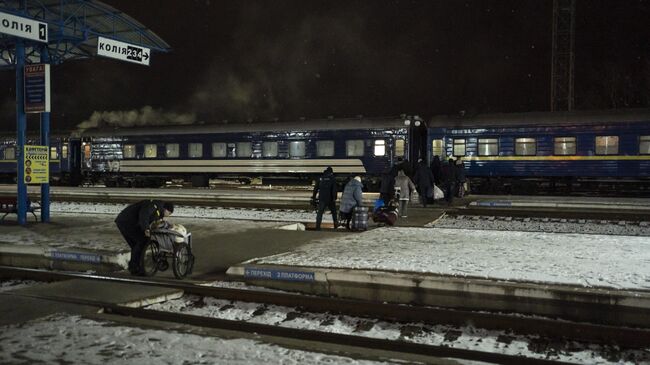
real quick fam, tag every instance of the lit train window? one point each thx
(219, 149)
(87, 152)
(195, 150)
(438, 148)
(297, 149)
(269, 149)
(607, 145)
(129, 151)
(644, 145)
(244, 149)
(324, 148)
(172, 150)
(565, 146)
(150, 151)
(525, 146)
(10, 153)
(380, 147)
(486, 147)
(399, 147)
(64, 151)
(354, 147)
(53, 153)
(459, 147)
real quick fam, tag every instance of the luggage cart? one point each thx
(168, 241)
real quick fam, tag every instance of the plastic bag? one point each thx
(437, 193)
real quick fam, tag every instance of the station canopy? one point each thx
(73, 28)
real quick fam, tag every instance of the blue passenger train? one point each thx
(600, 151)
(568, 152)
(297, 150)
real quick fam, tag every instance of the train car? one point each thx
(298, 151)
(604, 152)
(65, 168)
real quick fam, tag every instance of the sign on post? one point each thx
(123, 51)
(37, 88)
(37, 165)
(23, 27)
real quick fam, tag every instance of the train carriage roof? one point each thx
(298, 126)
(541, 118)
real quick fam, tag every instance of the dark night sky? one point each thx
(242, 59)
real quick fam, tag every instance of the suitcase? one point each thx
(359, 219)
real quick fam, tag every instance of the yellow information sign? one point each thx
(37, 165)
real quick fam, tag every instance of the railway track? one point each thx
(551, 329)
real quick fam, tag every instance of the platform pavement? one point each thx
(235, 250)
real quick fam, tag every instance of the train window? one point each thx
(10, 153)
(54, 154)
(399, 147)
(324, 148)
(565, 146)
(195, 150)
(297, 149)
(129, 151)
(87, 151)
(525, 146)
(219, 149)
(380, 147)
(150, 150)
(607, 145)
(64, 151)
(354, 147)
(172, 150)
(270, 149)
(644, 145)
(459, 147)
(438, 147)
(244, 149)
(486, 147)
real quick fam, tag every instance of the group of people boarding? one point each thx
(440, 180)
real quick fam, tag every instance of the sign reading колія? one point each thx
(123, 51)
(36, 165)
(23, 27)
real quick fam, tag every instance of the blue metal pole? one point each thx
(45, 141)
(21, 126)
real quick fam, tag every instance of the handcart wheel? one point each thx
(150, 257)
(183, 261)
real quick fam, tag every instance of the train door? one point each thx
(73, 151)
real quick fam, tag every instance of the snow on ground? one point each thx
(544, 225)
(8, 285)
(577, 259)
(437, 335)
(64, 339)
(276, 215)
(104, 235)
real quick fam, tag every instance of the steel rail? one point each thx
(625, 337)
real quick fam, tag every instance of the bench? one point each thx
(9, 205)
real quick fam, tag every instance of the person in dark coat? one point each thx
(387, 185)
(436, 169)
(449, 178)
(325, 189)
(424, 180)
(352, 197)
(460, 178)
(133, 223)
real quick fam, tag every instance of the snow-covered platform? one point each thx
(468, 268)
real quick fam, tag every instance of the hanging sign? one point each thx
(123, 51)
(37, 88)
(36, 165)
(23, 27)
